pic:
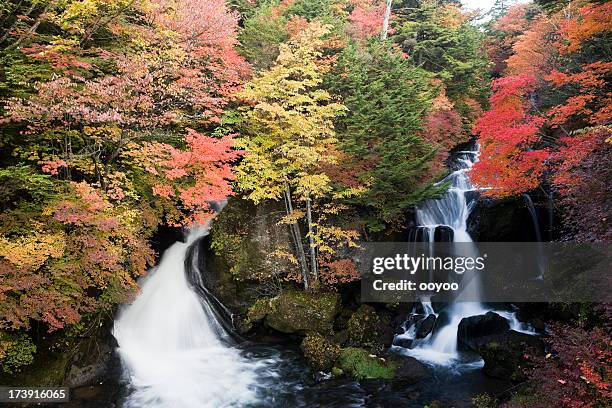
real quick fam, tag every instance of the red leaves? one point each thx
(507, 165)
(592, 105)
(197, 175)
(579, 372)
(366, 19)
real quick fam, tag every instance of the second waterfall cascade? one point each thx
(450, 211)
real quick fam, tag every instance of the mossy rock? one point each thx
(300, 312)
(366, 329)
(360, 364)
(47, 370)
(255, 314)
(244, 235)
(320, 352)
(243, 240)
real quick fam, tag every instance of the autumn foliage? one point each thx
(576, 372)
(110, 132)
(550, 114)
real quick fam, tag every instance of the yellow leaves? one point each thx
(110, 132)
(328, 238)
(281, 253)
(349, 192)
(292, 218)
(313, 185)
(81, 14)
(288, 129)
(32, 251)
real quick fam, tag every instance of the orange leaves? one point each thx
(340, 271)
(590, 21)
(533, 50)
(574, 105)
(591, 75)
(590, 105)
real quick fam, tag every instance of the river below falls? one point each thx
(284, 380)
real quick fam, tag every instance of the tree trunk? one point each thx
(385, 27)
(297, 238)
(313, 250)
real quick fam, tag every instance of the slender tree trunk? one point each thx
(297, 238)
(313, 249)
(385, 27)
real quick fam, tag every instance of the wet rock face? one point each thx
(426, 326)
(402, 342)
(473, 328)
(495, 220)
(241, 240)
(410, 370)
(502, 349)
(444, 234)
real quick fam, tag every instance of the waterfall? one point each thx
(536, 226)
(451, 211)
(174, 348)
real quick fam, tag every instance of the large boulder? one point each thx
(403, 342)
(503, 353)
(366, 329)
(444, 233)
(297, 312)
(502, 349)
(409, 369)
(426, 326)
(320, 352)
(242, 240)
(473, 328)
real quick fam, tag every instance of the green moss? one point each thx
(302, 312)
(361, 365)
(47, 370)
(320, 352)
(229, 239)
(255, 314)
(259, 309)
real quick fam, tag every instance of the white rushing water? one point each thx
(453, 210)
(174, 352)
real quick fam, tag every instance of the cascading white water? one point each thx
(453, 210)
(173, 350)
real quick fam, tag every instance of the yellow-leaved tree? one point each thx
(287, 135)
